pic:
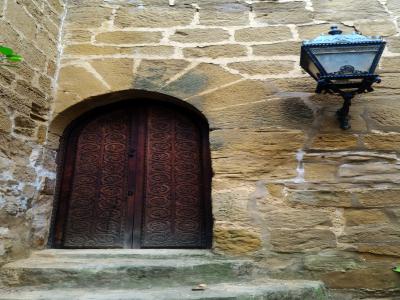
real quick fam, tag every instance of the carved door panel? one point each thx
(174, 211)
(95, 183)
(135, 177)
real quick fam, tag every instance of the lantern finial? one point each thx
(335, 30)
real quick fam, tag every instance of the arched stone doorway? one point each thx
(135, 174)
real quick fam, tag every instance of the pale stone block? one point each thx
(216, 51)
(224, 14)
(152, 75)
(128, 37)
(276, 49)
(199, 79)
(154, 17)
(281, 13)
(209, 35)
(295, 240)
(89, 49)
(263, 34)
(263, 67)
(343, 10)
(118, 72)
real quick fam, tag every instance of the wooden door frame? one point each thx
(62, 194)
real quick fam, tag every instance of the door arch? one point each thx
(135, 174)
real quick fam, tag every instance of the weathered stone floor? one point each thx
(143, 275)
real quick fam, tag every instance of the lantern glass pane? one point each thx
(346, 60)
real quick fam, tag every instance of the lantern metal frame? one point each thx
(327, 82)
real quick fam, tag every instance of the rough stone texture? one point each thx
(210, 35)
(290, 188)
(266, 67)
(282, 13)
(145, 275)
(263, 34)
(215, 51)
(128, 37)
(283, 48)
(31, 29)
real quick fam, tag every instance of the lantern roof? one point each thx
(335, 36)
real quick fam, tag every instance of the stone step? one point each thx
(266, 289)
(123, 253)
(116, 270)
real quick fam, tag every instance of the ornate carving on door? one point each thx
(135, 176)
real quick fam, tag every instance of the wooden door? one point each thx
(136, 176)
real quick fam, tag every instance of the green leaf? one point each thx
(6, 51)
(396, 269)
(14, 58)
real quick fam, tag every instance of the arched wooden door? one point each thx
(136, 176)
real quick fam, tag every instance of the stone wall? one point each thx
(31, 28)
(291, 189)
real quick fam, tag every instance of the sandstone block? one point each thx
(334, 141)
(308, 32)
(357, 217)
(76, 83)
(393, 44)
(232, 204)
(320, 172)
(342, 10)
(374, 234)
(238, 153)
(382, 141)
(46, 42)
(281, 48)
(87, 16)
(118, 73)
(32, 56)
(263, 67)
(294, 240)
(5, 121)
(20, 19)
(281, 13)
(373, 168)
(26, 89)
(263, 34)
(77, 36)
(389, 64)
(293, 86)
(209, 35)
(236, 240)
(89, 49)
(6, 77)
(322, 198)
(154, 74)
(393, 6)
(332, 260)
(149, 51)
(41, 134)
(368, 278)
(128, 37)
(278, 217)
(199, 79)
(57, 5)
(261, 110)
(51, 28)
(376, 27)
(216, 51)
(224, 14)
(153, 17)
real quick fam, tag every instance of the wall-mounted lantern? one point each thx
(343, 64)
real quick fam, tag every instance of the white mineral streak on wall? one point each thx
(300, 167)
